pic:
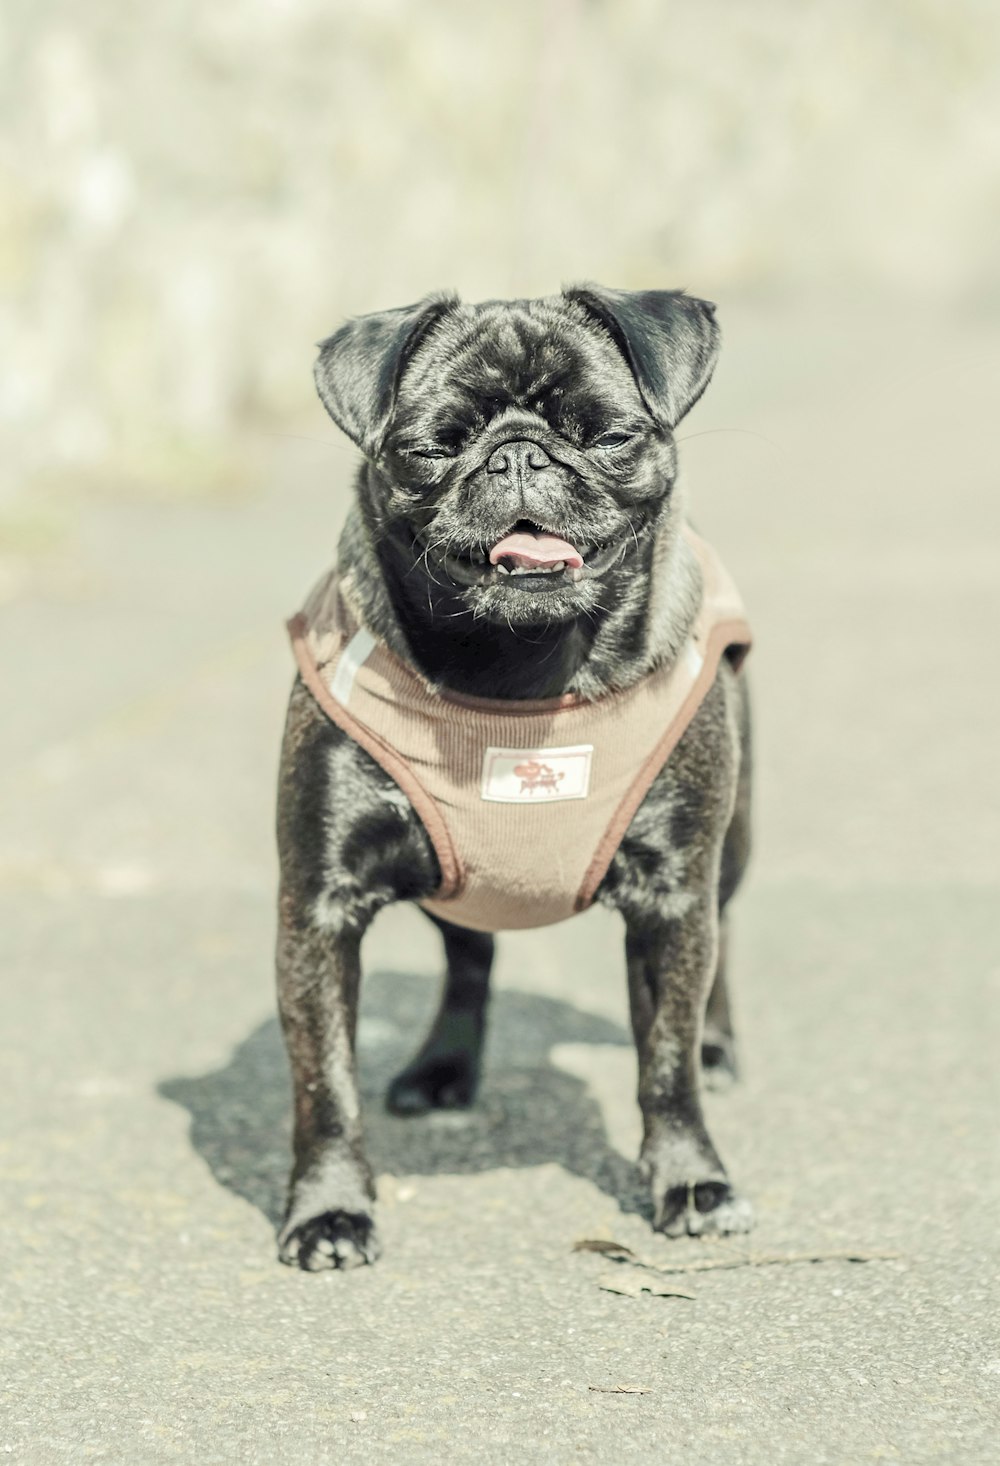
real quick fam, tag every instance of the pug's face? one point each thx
(521, 453)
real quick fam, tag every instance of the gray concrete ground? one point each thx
(845, 463)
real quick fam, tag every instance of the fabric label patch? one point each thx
(536, 775)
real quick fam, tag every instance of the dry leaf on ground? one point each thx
(633, 1285)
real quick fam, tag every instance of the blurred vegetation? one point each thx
(191, 195)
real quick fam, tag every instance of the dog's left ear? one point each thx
(358, 369)
(669, 339)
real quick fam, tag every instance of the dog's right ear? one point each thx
(358, 369)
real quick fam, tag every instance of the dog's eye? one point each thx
(440, 451)
(611, 440)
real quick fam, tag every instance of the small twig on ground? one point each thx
(619, 1389)
(618, 1252)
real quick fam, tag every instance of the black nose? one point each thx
(517, 457)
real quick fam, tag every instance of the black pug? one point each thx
(518, 534)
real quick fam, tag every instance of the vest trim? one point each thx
(724, 634)
(386, 757)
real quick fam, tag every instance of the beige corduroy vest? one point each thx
(525, 802)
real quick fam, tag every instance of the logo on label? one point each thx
(536, 775)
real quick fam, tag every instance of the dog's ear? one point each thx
(669, 339)
(358, 368)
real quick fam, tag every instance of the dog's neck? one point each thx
(649, 615)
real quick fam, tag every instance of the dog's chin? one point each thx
(499, 602)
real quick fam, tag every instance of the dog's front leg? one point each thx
(328, 1222)
(671, 961)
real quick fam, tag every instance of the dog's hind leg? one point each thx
(720, 1066)
(444, 1074)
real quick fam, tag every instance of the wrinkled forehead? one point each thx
(541, 355)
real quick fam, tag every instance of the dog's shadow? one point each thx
(528, 1112)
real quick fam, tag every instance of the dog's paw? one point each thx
(703, 1209)
(719, 1069)
(442, 1082)
(334, 1239)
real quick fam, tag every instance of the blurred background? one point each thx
(191, 195)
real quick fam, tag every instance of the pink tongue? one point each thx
(536, 549)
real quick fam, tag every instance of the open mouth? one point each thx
(532, 552)
(533, 559)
